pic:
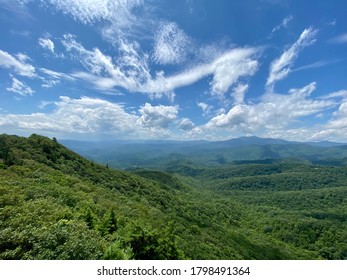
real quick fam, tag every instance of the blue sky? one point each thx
(186, 69)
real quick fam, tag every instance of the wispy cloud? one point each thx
(131, 70)
(18, 65)
(206, 108)
(53, 78)
(171, 44)
(20, 87)
(340, 39)
(118, 18)
(56, 75)
(284, 23)
(92, 11)
(281, 67)
(317, 64)
(46, 43)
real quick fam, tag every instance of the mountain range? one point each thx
(56, 204)
(128, 154)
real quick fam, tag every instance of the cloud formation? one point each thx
(281, 67)
(284, 23)
(186, 124)
(95, 116)
(171, 44)
(273, 112)
(157, 116)
(83, 115)
(20, 87)
(131, 70)
(46, 44)
(17, 65)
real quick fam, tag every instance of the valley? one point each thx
(246, 198)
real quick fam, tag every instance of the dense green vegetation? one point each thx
(54, 204)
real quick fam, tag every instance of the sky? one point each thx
(181, 70)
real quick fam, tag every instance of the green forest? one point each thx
(56, 204)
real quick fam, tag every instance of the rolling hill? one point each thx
(55, 204)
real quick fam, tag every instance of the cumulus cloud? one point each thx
(95, 116)
(83, 115)
(171, 44)
(18, 65)
(186, 124)
(230, 67)
(275, 111)
(338, 124)
(46, 44)
(281, 67)
(157, 116)
(20, 87)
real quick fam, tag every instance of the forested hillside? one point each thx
(54, 204)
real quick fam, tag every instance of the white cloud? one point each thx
(205, 107)
(239, 93)
(284, 23)
(338, 94)
(230, 67)
(20, 88)
(46, 44)
(128, 71)
(316, 64)
(281, 67)
(335, 129)
(22, 57)
(92, 11)
(171, 44)
(274, 112)
(157, 116)
(94, 116)
(84, 115)
(131, 71)
(18, 65)
(56, 75)
(50, 83)
(186, 124)
(339, 121)
(118, 17)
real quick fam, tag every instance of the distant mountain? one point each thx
(123, 154)
(326, 144)
(253, 140)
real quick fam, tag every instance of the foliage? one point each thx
(54, 204)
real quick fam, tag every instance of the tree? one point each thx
(109, 224)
